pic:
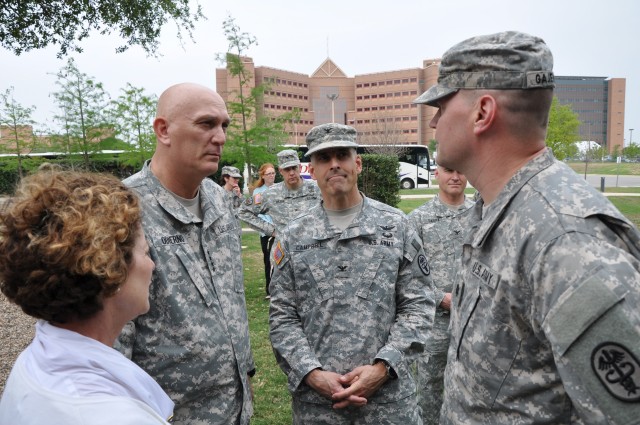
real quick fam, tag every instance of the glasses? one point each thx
(269, 174)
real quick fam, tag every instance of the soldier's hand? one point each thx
(361, 383)
(446, 301)
(323, 382)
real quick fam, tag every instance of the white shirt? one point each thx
(63, 377)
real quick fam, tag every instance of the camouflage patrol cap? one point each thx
(502, 61)
(332, 135)
(228, 170)
(288, 158)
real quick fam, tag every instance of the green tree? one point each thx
(253, 135)
(631, 151)
(133, 113)
(19, 127)
(562, 131)
(35, 24)
(83, 102)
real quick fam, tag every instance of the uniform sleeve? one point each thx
(249, 210)
(415, 307)
(587, 307)
(126, 339)
(415, 220)
(290, 344)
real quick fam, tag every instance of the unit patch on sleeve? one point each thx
(424, 265)
(278, 253)
(257, 198)
(618, 370)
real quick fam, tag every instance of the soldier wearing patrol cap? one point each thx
(351, 297)
(230, 178)
(282, 201)
(194, 341)
(545, 322)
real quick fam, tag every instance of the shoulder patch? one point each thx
(257, 198)
(278, 253)
(424, 265)
(249, 201)
(618, 371)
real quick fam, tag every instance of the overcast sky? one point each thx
(587, 37)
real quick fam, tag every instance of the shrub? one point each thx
(379, 178)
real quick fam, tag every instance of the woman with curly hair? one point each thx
(74, 256)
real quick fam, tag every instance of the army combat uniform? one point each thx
(440, 229)
(234, 200)
(344, 299)
(545, 321)
(194, 341)
(282, 204)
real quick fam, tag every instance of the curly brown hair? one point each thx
(67, 241)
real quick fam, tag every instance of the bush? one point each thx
(379, 178)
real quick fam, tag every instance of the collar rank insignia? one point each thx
(618, 370)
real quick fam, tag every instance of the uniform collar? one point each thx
(211, 212)
(493, 213)
(362, 225)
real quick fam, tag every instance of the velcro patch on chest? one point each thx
(486, 275)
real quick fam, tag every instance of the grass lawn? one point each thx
(272, 404)
(610, 168)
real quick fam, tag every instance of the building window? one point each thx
(414, 80)
(358, 86)
(405, 80)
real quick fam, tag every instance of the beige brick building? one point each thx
(380, 104)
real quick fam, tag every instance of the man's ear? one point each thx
(485, 113)
(358, 164)
(161, 128)
(312, 171)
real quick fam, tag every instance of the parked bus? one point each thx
(415, 163)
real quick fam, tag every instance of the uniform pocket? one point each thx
(490, 359)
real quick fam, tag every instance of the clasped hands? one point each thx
(350, 389)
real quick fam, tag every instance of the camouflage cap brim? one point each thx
(331, 145)
(288, 164)
(434, 94)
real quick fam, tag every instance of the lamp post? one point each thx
(630, 135)
(332, 98)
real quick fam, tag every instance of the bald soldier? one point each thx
(195, 339)
(545, 325)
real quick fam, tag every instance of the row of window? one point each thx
(387, 82)
(289, 95)
(274, 80)
(388, 119)
(385, 95)
(387, 107)
(577, 88)
(582, 100)
(284, 107)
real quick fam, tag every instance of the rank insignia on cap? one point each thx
(618, 370)
(257, 198)
(278, 253)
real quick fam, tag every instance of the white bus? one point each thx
(415, 163)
